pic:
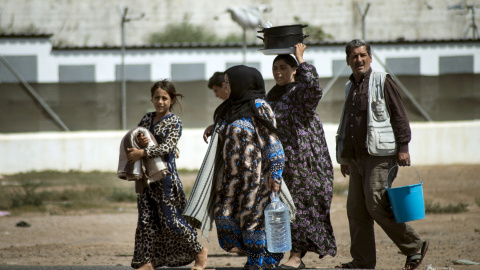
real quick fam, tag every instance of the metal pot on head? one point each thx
(285, 36)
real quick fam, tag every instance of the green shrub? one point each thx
(340, 189)
(122, 195)
(53, 191)
(315, 32)
(436, 208)
(26, 195)
(183, 32)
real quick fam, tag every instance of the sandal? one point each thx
(301, 266)
(348, 265)
(414, 261)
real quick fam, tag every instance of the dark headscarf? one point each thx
(246, 85)
(278, 91)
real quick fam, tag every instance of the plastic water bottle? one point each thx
(277, 225)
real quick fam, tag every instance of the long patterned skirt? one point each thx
(254, 243)
(312, 230)
(242, 225)
(163, 237)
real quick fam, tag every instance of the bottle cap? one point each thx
(274, 197)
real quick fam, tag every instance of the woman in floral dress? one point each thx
(308, 171)
(163, 237)
(253, 161)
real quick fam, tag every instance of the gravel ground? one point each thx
(88, 239)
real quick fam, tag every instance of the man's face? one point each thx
(221, 92)
(359, 61)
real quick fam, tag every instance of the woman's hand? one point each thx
(272, 185)
(207, 133)
(299, 49)
(135, 154)
(345, 169)
(143, 140)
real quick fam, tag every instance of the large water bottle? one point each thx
(277, 225)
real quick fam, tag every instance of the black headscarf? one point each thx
(246, 85)
(278, 91)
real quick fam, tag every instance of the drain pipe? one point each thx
(34, 94)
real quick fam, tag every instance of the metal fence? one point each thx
(97, 106)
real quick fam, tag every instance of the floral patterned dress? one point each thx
(308, 171)
(251, 153)
(163, 237)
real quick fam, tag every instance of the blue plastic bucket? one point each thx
(407, 201)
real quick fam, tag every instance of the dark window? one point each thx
(80, 73)
(136, 73)
(338, 65)
(404, 66)
(25, 66)
(456, 64)
(188, 72)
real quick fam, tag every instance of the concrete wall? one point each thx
(437, 143)
(92, 22)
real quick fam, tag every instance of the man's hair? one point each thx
(355, 44)
(217, 79)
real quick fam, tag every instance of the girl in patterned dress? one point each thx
(163, 237)
(308, 170)
(252, 167)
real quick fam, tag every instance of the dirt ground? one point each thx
(107, 238)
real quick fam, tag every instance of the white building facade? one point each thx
(34, 57)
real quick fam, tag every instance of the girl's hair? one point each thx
(289, 60)
(168, 87)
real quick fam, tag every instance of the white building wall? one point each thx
(436, 143)
(216, 59)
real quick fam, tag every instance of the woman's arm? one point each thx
(308, 92)
(299, 50)
(272, 150)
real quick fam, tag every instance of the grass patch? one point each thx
(59, 192)
(122, 195)
(436, 208)
(187, 171)
(340, 189)
(477, 201)
(54, 191)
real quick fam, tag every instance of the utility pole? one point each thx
(399, 83)
(124, 20)
(475, 33)
(364, 14)
(473, 25)
(244, 46)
